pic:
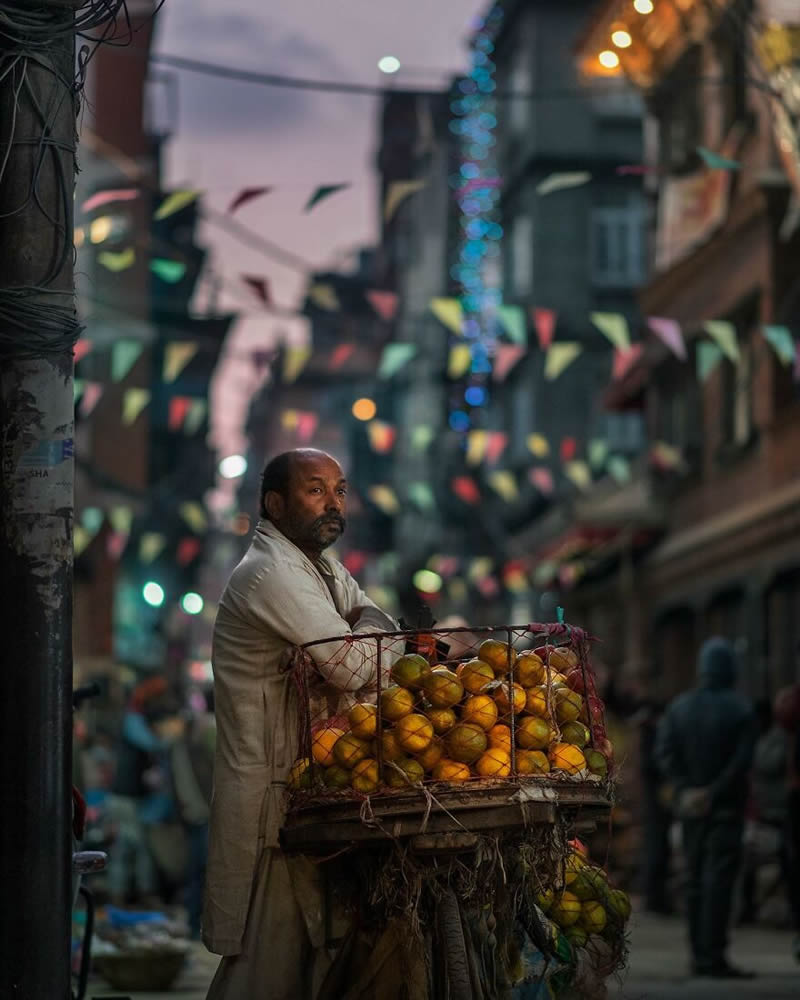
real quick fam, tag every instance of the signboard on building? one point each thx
(690, 210)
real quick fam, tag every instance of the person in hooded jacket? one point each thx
(705, 747)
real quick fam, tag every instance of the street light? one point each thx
(643, 6)
(233, 466)
(621, 38)
(608, 59)
(389, 64)
(192, 603)
(153, 593)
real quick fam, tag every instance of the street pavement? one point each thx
(658, 969)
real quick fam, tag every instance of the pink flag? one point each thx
(465, 489)
(178, 408)
(260, 286)
(247, 194)
(81, 349)
(384, 303)
(106, 197)
(542, 479)
(115, 544)
(354, 561)
(306, 425)
(544, 320)
(91, 397)
(342, 353)
(506, 357)
(569, 448)
(625, 360)
(668, 332)
(188, 549)
(495, 446)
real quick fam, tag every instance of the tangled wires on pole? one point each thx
(37, 77)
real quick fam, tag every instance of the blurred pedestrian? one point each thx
(656, 814)
(787, 714)
(705, 747)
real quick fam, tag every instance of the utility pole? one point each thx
(38, 104)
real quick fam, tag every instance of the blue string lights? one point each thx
(477, 192)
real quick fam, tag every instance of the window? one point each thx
(521, 271)
(618, 244)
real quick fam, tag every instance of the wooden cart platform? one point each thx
(460, 813)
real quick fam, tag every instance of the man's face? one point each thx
(312, 515)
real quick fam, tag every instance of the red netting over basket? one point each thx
(382, 712)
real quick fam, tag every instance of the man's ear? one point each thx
(275, 505)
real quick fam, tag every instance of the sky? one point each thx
(232, 135)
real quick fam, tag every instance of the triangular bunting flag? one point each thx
(289, 420)
(614, 326)
(245, 195)
(80, 540)
(170, 271)
(542, 479)
(188, 550)
(465, 489)
(381, 436)
(177, 356)
(395, 357)
(133, 402)
(194, 515)
(151, 545)
(78, 385)
(116, 544)
(506, 356)
(544, 320)
(568, 449)
(561, 181)
(723, 334)
(450, 313)
(92, 519)
(421, 437)
(384, 303)
(559, 357)
(496, 446)
(579, 473)
(124, 355)
(396, 194)
(619, 468)
(538, 445)
(101, 198)
(294, 360)
(81, 349)
(625, 360)
(708, 357)
(480, 568)
(92, 392)
(665, 456)
(715, 161)
(341, 354)
(513, 321)
(174, 203)
(117, 261)
(598, 453)
(504, 483)
(668, 332)
(307, 423)
(459, 360)
(421, 494)
(477, 442)
(321, 193)
(780, 337)
(195, 416)
(121, 519)
(385, 499)
(178, 408)
(324, 297)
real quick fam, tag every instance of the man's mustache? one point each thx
(330, 519)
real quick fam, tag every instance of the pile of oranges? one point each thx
(442, 724)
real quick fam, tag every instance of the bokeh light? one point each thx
(608, 59)
(233, 466)
(364, 408)
(428, 582)
(192, 603)
(153, 593)
(389, 64)
(621, 38)
(643, 6)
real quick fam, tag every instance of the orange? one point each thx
(481, 710)
(451, 770)
(559, 657)
(410, 773)
(390, 747)
(363, 720)
(575, 733)
(566, 757)
(443, 719)
(500, 736)
(495, 763)
(529, 670)
(466, 742)
(474, 675)
(532, 762)
(533, 733)
(442, 688)
(365, 776)
(348, 750)
(336, 777)
(536, 701)
(502, 699)
(498, 655)
(410, 671)
(322, 745)
(430, 757)
(396, 702)
(414, 733)
(568, 704)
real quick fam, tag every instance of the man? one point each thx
(705, 748)
(263, 909)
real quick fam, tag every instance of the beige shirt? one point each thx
(275, 599)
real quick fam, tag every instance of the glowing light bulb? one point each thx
(643, 6)
(608, 59)
(621, 38)
(192, 603)
(427, 581)
(364, 409)
(233, 466)
(389, 64)
(153, 593)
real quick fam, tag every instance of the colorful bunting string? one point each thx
(477, 442)
(177, 355)
(450, 313)
(513, 320)
(625, 360)
(421, 437)
(384, 499)
(544, 321)
(724, 335)
(496, 446)
(381, 436)
(124, 355)
(459, 360)
(188, 550)
(194, 515)
(715, 161)
(294, 361)
(559, 357)
(538, 445)
(92, 392)
(324, 297)
(174, 203)
(178, 409)
(133, 402)
(384, 303)
(341, 354)
(568, 449)
(80, 540)
(669, 332)
(506, 357)
(92, 519)
(395, 357)
(195, 416)
(170, 271)
(322, 192)
(422, 495)
(121, 519)
(597, 451)
(579, 473)
(614, 326)
(708, 357)
(466, 489)
(542, 479)
(78, 385)
(117, 261)
(503, 483)
(396, 194)
(81, 349)
(151, 545)
(619, 468)
(782, 342)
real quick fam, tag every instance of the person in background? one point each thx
(704, 747)
(656, 816)
(787, 714)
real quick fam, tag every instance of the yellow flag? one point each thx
(117, 261)
(537, 445)
(724, 334)
(477, 442)
(151, 546)
(80, 539)
(559, 357)
(450, 313)
(480, 568)
(460, 357)
(615, 327)
(134, 401)
(396, 194)
(504, 483)
(193, 514)
(384, 497)
(121, 518)
(174, 203)
(294, 360)
(176, 357)
(289, 419)
(325, 297)
(579, 473)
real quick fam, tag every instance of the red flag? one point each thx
(178, 408)
(341, 354)
(624, 360)
(354, 561)
(465, 489)
(115, 544)
(542, 479)
(260, 286)
(188, 549)
(306, 425)
(245, 195)
(81, 349)
(504, 360)
(569, 447)
(384, 303)
(544, 320)
(495, 446)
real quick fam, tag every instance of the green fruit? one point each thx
(410, 773)
(619, 904)
(336, 777)
(575, 733)
(597, 763)
(576, 936)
